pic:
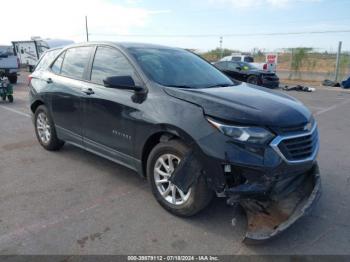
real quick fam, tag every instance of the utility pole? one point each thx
(86, 29)
(337, 62)
(221, 49)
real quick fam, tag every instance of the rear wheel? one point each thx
(252, 80)
(45, 130)
(162, 162)
(10, 98)
(13, 79)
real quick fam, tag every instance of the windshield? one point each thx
(178, 68)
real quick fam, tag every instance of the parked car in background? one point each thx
(177, 120)
(238, 58)
(249, 59)
(9, 64)
(246, 72)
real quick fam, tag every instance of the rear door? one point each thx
(66, 81)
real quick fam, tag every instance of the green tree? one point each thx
(300, 57)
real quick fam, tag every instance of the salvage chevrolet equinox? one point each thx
(189, 129)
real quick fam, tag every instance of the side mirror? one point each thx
(121, 82)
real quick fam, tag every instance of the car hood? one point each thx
(246, 104)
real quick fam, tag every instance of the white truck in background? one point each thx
(239, 57)
(30, 51)
(9, 64)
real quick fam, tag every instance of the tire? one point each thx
(199, 195)
(252, 80)
(10, 98)
(49, 141)
(13, 79)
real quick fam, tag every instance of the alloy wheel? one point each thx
(43, 128)
(163, 169)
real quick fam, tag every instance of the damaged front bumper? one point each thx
(274, 189)
(268, 218)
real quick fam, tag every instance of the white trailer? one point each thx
(29, 52)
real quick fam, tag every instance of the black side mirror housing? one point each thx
(121, 82)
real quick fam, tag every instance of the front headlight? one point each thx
(255, 135)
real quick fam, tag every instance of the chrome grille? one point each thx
(298, 147)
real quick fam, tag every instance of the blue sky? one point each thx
(121, 20)
(185, 17)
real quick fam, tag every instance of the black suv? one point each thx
(177, 120)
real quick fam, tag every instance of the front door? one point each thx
(109, 112)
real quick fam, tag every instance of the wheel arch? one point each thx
(35, 105)
(164, 134)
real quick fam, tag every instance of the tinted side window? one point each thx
(46, 59)
(248, 59)
(110, 62)
(56, 67)
(75, 61)
(236, 58)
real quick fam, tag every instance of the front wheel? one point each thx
(253, 80)
(162, 162)
(45, 130)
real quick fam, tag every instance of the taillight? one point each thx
(265, 66)
(30, 79)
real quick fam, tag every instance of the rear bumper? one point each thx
(9, 71)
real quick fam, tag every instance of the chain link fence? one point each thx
(306, 64)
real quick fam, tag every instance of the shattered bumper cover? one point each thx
(268, 218)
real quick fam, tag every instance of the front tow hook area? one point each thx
(267, 219)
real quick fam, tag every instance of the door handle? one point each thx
(87, 91)
(49, 80)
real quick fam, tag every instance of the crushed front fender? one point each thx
(267, 219)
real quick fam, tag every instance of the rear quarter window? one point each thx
(56, 67)
(46, 59)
